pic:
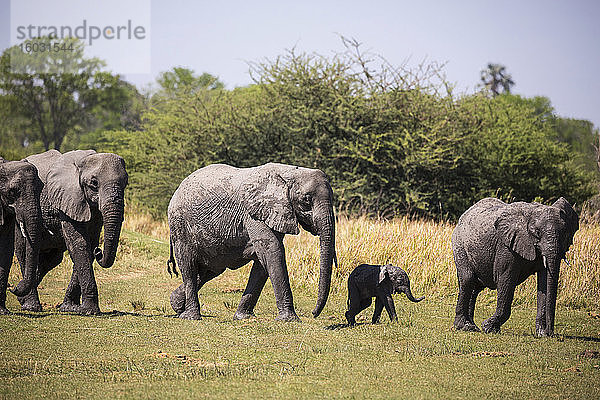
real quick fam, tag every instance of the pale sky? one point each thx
(551, 48)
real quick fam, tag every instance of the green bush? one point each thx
(393, 141)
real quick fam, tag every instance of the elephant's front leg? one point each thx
(268, 247)
(540, 320)
(256, 282)
(6, 256)
(506, 292)
(83, 281)
(389, 307)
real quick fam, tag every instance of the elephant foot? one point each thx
(287, 316)
(33, 307)
(190, 314)
(489, 326)
(239, 315)
(177, 299)
(350, 319)
(470, 327)
(69, 307)
(463, 324)
(89, 310)
(544, 333)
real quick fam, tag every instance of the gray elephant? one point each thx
(499, 245)
(20, 215)
(224, 217)
(380, 281)
(83, 192)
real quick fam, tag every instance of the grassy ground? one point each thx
(137, 350)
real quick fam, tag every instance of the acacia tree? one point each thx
(181, 81)
(54, 93)
(495, 78)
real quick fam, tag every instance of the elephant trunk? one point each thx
(112, 216)
(552, 266)
(31, 227)
(325, 223)
(409, 295)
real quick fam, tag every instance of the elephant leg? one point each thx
(389, 307)
(6, 258)
(256, 282)
(378, 309)
(47, 261)
(354, 302)
(355, 306)
(178, 295)
(270, 252)
(506, 292)
(463, 319)
(476, 290)
(190, 266)
(83, 281)
(72, 299)
(540, 319)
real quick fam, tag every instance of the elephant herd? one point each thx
(224, 217)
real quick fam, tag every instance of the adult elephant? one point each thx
(83, 192)
(223, 217)
(499, 245)
(20, 214)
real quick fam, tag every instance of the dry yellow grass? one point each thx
(423, 249)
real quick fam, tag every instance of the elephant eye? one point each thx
(305, 201)
(94, 183)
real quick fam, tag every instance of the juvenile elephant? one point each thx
(223, 217)
(499, 245)
(20, 215)
(379, 281)
(83, 192)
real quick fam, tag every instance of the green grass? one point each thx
(140, 351)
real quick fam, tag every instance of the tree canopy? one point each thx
(49, 95)
(392, 140)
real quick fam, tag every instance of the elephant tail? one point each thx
(171, 261)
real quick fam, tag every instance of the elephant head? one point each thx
(82, 180)
(284, 196)
(399, 279)
(20, 189)
(534, 231)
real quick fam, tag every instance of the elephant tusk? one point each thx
(567, 262)
(22, 227)
(544, 260)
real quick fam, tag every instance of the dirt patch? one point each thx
(480, 354)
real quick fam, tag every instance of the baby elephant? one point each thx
(379, 281)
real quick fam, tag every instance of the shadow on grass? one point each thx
(343, 326)
(583, 338)
(32, 315)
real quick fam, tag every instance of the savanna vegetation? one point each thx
(406, 155)
(136, 349)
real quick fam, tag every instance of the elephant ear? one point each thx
(64, 189)
(265, 196)
(511, 226)
(384, 272)
(570, 217)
